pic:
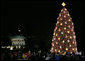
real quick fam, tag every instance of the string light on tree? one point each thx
(63, 4)
(68, 14)
(66, 36)
(58, 50)
(59, 38)
(73, 42)
(64, 12)
(74, 36)
(61, 32)
(70, 37)
(56, 34)
(73, 49)
(64, 28)
(65, 22)
(68, 40)
(52, 40)
(60, 18)
(70, 45)
(68, 31)
(60, 46)
(63, 41)
(69, 26)
(56, 42)
(69, 20)
(55, 50)
(57, 22)
(65, 9)
(66, 48)
(61, 24)
(71, 52)
(52, 48)
(52, 44)
(60, 15)
(64, 16)
(61, 10)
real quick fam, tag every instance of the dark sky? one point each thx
(38, 19)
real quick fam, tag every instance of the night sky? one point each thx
(37, 20)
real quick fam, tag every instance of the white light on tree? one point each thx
(68, 31)
(60, 18)
(56, 42)
(68, 14)
(65, 28)
(70, 45)
(69, 20)
(68, 40)
(59, 14)
(66, 48)
(61, 24)
(63, 41)
(58, 50)
(60, 47)
(59, 38)
(52, 40)
(56, 34)
(57, 22)
(55, 49)
(73, 49)
(61, 32)
(59, 29)
(74, 36)
(52, 48)
(64, 16)
(65, 22)
(70, 37)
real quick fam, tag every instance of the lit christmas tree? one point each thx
(64, 39)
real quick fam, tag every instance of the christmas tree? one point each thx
(64, 39)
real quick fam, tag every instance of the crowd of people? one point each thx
(28, 55)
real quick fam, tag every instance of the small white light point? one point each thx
(65, 9)
(60, 18)
(70, 45)
(54, 38)
(59, 14)
(61, 32)
(65, 22)
(55, 50)
(59, 38)
(56, 34)
(73, 49)
(56, 42)
(68, 41)
(61, 24)
(63, 41)
(68, 31)
(64, 16)
(58, 50)
(70, 37)
(57, 22)
(69, 20)
(60, 47)
(66, 48)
